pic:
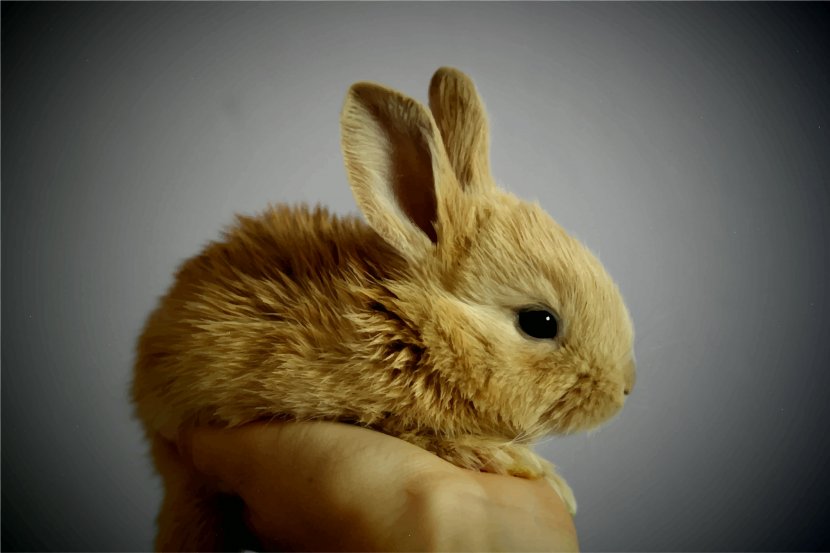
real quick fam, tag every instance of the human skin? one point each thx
(330, 486)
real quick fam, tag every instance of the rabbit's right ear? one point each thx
(462, 121)
(397, 166)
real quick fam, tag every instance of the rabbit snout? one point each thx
(629, 376)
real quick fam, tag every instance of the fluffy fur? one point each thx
(406, 324)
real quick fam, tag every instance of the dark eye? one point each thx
(538, 323)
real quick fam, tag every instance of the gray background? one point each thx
(686, 143)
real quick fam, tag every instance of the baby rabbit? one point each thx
(457, 317)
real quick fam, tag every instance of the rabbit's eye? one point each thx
(538, 323)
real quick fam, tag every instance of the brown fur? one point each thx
(406, 325)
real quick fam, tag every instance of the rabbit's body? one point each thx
(267, 315)
(422, 323)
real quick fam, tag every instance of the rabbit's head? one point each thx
(524, 332)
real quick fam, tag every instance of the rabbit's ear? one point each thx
(396, 164)
(461, 119)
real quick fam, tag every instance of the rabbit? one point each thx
(456, 317)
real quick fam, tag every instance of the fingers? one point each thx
(275, 468)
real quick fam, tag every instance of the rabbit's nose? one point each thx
(629, 376)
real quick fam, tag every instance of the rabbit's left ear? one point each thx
(397, 167)
(462, 121)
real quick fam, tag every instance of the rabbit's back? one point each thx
(262, 324)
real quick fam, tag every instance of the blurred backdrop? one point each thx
(686, 144)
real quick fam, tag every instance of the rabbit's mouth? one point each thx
(586, 404)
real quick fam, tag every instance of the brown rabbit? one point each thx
(460, 318)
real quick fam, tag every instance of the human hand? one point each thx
(331, 486)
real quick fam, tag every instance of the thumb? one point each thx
(221, 454)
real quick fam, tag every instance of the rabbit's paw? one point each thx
(500, 458)
(563, 489)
